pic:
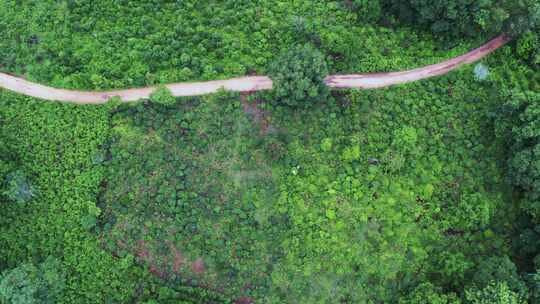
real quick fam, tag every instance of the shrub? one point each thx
(298, 76)
(427, 293)
(367, 10)
(4, 169)
(304, 30)
(18, 187)
(534, 283)
(494, 293)
(27, 283)
(162, 95)
(528, 48)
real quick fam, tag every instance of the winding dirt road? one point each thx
(250, 84)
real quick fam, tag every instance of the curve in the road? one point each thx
(250, 84)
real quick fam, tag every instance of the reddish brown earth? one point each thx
(259, 116)
(251, 83)
(244, 300)
(198, 266)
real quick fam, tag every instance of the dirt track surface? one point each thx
(380, 80)
(249, 84)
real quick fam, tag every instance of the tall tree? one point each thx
(29, 284)
(469, 17)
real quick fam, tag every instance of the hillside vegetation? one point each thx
(421, 193)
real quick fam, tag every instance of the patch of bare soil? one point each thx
(244, 300)
(259, 116)
(163, 264)
(198, 266)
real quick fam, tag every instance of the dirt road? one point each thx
(380, 80)
(250, 84)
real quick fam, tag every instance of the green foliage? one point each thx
(27, 283)
(162, 95)
(282, 224)
(368, 197)
(105, 45)
(499, 269)
(470, 17)
(160, 292)
(524, 161)
(528, 48)
(18, 188)
(524, 16)
(493, 293)
(534, 284)
(427, 293)
(305, 30)
(298, 76)
(4, 169)
(16, 286)
(59, 146)
(369, 10)
(189, 195)
(410, 171)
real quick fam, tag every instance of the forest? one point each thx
(418, 193)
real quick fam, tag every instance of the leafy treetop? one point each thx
(298, 76)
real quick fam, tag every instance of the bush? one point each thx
(27, 283)
(4, 169)
(427, 293)
(304, 30)
(367, 10)
(18, 187)
(298, 76)
(60, 146)
(528, 48)
(162, 95)
(494, 293)
(499, 269)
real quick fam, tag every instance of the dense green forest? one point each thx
(421, 193)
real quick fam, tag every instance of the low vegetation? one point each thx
(421, 193)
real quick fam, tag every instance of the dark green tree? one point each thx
(469, 17)
(367, 10)
(4, 169)
(528, 48)
(499, 269)
(305, 31)
(298, 76)
(524, 161)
